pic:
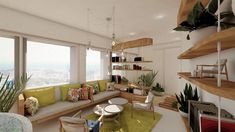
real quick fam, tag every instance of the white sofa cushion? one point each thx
(105, 94)
(56, 108)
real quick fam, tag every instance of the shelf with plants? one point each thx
(227, 89)
(132, 62)
(208, 45)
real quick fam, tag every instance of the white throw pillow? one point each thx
(110, 86)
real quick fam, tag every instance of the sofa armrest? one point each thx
(21, 104)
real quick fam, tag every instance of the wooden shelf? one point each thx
(131, 70)
(209, 45)
(227, 90)
(132, 62)
(185, 120)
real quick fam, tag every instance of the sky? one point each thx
(40, 53)
(6, 52)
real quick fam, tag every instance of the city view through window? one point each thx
(7, 57)
(48, 64)
(93, 65)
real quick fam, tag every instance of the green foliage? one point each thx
(201, 17)
(158, 88)
(125, 80)
(9, 91)
(147, 79)
(174, 104)
(188, 94)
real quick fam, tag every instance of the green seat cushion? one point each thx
(65, 88)
(95, 86)
(103, 85)
(45, 96)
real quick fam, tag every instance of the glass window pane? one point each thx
(7, 56)
(48, 64)
(93, 65)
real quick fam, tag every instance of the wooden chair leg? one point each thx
(153, 111)
(132, 111)
(226, 72)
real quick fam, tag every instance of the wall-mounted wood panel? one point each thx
(133, 44)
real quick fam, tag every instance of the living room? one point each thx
(120, 65)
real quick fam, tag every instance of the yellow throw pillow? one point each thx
(103, 85)
(45, 96)
(65, 88)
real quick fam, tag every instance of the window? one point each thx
(48, 64)
(93, 65)
(7, 57)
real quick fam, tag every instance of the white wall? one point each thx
(28, 24)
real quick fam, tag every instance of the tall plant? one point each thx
(147, 79)
(9, 91)
(201, 17)
(188, 94)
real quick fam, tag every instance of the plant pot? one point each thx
(158, 93)
(200, 34)
(183, 113)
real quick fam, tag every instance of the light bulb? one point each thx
(113, 42)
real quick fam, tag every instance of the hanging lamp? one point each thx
(113, 35)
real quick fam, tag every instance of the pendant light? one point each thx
(113, 35)
(88, 28)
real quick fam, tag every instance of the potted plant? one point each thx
(188, 94)
(202, 21)
(158, 90)
(10, 90)
(147, 79)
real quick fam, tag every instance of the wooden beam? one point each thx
(186, 7)
(133, 44)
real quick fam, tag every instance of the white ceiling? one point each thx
(134, 18)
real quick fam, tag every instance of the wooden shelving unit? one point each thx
(227, 90)
(132, 62)
(131, 70)
(208, 45)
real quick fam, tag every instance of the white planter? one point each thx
(183, 113)
(158, 93)
(200, 34)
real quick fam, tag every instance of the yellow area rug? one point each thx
(142, 121)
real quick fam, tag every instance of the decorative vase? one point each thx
(200, 34)
(183, 113)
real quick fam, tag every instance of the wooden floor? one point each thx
(185, 120)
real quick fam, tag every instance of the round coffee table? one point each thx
(99, 110)
(115, 110)
(118, 101)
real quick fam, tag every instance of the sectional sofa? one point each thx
(53, 104)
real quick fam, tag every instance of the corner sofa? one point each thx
(59, 106)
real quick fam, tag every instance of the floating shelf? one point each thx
(132, 62)
(131, 70)
(209, 45)
(227, 90)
